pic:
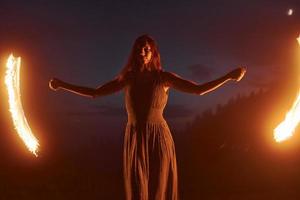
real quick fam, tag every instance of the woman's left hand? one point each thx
(237, 74)
(55, 84)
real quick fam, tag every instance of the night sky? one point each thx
(88, 42)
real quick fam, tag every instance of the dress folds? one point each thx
(150, 169)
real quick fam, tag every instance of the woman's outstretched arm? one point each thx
(105, 89)
(183, 85)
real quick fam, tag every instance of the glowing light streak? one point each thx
(287, 127)
(12, 82)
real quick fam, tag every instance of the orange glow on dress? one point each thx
(12, 82)
(287, 127)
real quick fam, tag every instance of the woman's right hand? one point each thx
(55, 84)
(237, 74)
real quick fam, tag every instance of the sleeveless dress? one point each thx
(150, 169)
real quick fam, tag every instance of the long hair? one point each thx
(133, 64)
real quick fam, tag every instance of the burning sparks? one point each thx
(286, 128)
(12, 82)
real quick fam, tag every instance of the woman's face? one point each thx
(145, 54)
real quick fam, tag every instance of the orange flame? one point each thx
(287, 127)
(12, 82)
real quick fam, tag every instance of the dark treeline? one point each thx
(230, 153)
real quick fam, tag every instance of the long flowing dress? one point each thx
(150, 169)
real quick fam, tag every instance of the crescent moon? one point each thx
(12, 82)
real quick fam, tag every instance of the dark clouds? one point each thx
(200, 72)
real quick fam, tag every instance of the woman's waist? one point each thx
(151, 116)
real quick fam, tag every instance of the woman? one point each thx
(150, 169)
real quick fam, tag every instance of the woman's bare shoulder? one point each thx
(129, 75)
(168, 76)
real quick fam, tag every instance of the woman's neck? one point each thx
(145, 68)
